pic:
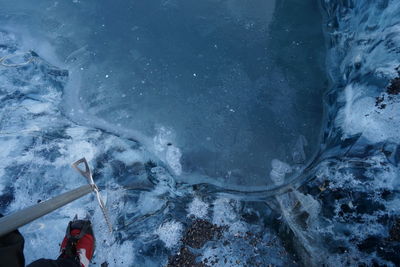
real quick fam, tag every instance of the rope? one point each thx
(3, 60)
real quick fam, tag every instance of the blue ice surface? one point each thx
(232, 85)
(339, 210)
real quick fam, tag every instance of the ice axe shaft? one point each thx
(14, 221)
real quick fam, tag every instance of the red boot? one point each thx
(78, 243)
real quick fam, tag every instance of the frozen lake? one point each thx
(231, 85)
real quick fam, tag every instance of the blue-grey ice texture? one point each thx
(168, 100)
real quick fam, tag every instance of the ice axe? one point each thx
(14, 221)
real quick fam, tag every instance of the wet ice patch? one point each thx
(198, 208)
(170, 233)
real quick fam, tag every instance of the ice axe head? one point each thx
(86, 173)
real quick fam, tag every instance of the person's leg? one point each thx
(11, 249)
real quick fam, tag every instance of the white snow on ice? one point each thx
(170, 233)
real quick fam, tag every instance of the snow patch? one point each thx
(198, 208)
(170, 233)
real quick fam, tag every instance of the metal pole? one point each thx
(14, 221)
